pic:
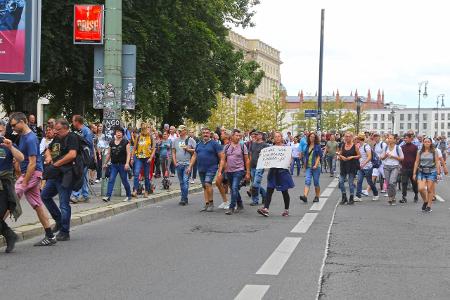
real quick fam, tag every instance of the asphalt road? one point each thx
(165, 251)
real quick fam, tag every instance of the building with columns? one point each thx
(266, 56)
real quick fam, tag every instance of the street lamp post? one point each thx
(437, 107)
(358, 113)
(393, 120)
(425, 94)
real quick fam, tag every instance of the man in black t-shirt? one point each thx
(256, 174)
(60, 156)
(119, 154)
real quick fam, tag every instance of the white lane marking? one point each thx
(439, 198)
(304, 224)
(333, 184)
(327, 192)
(252, 292)
(319, 205)
(327, 247)
(279, 257)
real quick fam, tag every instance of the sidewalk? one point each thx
(28, 225)
(29, 216)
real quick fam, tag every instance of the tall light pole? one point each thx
(437, 106)
(425, 94)
(358, 114)
(319, 98)
(393, 120)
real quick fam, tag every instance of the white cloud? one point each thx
(390, 45)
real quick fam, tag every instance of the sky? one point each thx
(389, 45)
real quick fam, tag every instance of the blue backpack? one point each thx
(375, 160)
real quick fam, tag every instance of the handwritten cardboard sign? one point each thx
(275, 157)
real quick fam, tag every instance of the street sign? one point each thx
(310, 113)
(88, 24)
(20, 40)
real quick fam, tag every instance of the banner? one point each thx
(88, 24)
(20, 40)
(275, 157)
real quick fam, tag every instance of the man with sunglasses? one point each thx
(29, 181)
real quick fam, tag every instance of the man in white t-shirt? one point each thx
(378, 173)
(366, 169)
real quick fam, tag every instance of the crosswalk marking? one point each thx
(304, 224)
(252, 292)
(279, 257)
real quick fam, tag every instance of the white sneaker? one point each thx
(192, 181)
(365, 192)
(97, 181)
(226, 206)
(357, 199)
(375, 198)
(383, 191)
(127, 199)
(221, 205)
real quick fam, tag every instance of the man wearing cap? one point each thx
(256, 174)
(182, 149)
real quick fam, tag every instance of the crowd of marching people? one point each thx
(65, 158)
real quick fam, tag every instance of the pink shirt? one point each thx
(235, 158)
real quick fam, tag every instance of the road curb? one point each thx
(29, 231)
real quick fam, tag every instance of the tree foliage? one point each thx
(184, 59)
(334, 117)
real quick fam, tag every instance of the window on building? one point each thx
(416, 126)
(368, 118)
(448, 116)
(424, 125)
(435, 117)
(382, 117)
(442, 116)
(424, 117)
(402, 117)
(435, 133)
(389, 117)
(442, 126)
(382, 125)
(409, 117)
(402, 126)
(416, 117)
(448, 125)
(448, 134)
(443, 133)
(435, 125)
(375, 126)
(375, 117)
(409, 125)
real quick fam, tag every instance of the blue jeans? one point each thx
(118, 169)
(367, 174)
(234, 179)
(351, 183)
(85, 188)
(62, 214)
(331, 163)
(295, 162)
(312, 174)
(257, 176)
(183, 178)
(140, 163)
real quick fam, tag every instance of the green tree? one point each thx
(184, 59)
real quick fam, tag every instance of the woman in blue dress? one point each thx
(279, 179)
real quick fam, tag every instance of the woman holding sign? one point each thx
(312, 155)
(279, 179)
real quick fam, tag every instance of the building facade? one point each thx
(266, 56)
(433, 122)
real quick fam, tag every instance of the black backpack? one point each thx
(83, 160)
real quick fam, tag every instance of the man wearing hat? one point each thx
(182, 149)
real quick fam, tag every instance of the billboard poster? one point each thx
(19, 40)
(88, 24)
